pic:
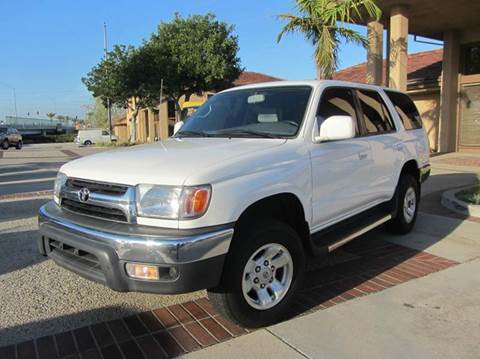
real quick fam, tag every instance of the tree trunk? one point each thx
(133, 126)
(178, 110)
(321, 73)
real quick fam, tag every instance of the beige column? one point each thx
(398, 48)
(163, 123)
(375, 53)
(447, 136)
(151, 125)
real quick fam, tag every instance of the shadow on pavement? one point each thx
(21, 209)
(19, 250)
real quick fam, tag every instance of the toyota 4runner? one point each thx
(257, 181)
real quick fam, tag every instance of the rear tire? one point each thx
(407, 200)
(87, 143)
(262, 273)
(19, 145)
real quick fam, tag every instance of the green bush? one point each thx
(114, 144)
(65, 137)
(471, 195)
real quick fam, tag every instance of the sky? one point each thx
(48, 45)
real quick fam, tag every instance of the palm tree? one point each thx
(51, 115)
(320, 22)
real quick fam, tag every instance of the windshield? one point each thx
(274, 112)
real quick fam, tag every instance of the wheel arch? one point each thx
(286, 207)
(411, 167)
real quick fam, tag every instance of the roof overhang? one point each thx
(430, 18)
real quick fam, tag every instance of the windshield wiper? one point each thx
(247, 133)
(187, 133)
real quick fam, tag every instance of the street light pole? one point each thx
(15, 101)
(14, 96)
(109, 107)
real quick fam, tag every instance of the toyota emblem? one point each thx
(84, 194)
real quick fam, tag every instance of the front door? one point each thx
(470, 116)
(341, 170)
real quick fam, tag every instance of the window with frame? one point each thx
(376, 118)
(337, 101)
(406, 109)
(471, 62)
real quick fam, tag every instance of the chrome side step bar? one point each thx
(359, 232)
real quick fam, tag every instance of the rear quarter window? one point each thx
(406, 109)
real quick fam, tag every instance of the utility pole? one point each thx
(14, 96)
(15, 101)
(160, 109)
(109, 107)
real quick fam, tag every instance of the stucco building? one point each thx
(424, 70)
(456, 23)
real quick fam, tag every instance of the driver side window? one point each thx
(337, 101)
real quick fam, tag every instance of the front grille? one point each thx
(94, 211)
(80, 258)
(97, 187)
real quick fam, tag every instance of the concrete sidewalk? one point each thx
(436, 316)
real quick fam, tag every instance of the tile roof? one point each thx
(422, 66)
(249, 77)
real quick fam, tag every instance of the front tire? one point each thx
(19, 145)
(5, 145)
(87, 143)
(262, 273)
(407, 201)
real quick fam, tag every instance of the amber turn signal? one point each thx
(142, 271)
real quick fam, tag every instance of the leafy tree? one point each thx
(125, 77)
(97, 114)
(193, 55)
(51, 115)
(319, 21)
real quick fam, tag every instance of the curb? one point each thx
(450, 201)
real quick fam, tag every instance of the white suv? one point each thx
(259, 179)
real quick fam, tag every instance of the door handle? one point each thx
(362, 156)
(398, 146)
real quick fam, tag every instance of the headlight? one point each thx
(171, 202)
(59, 183)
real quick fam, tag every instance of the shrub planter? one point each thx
(450, 201)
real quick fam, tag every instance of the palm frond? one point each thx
(352, 36)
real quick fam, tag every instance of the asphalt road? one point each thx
(37, 297)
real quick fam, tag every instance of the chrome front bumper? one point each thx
(197, 255)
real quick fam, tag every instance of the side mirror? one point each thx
(335, 128)
(178, 125)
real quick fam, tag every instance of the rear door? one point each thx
(385, 142)
(341, 170)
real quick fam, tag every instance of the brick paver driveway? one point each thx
(367, 265)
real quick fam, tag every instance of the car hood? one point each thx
(168, 162)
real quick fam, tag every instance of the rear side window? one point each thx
(336, 101)
(406, 109)
(375, 114)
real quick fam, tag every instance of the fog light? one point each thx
(142, 271)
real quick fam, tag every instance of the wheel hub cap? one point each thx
(267, 276)
(409, 205)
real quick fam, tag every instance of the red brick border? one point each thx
(182, 328)
(464, 161)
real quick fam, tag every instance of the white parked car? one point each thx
(259, 179)
(93, 135)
